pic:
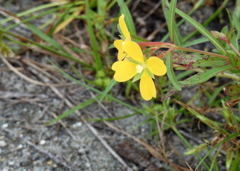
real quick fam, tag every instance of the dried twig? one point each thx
(10, 94)
(22, 75)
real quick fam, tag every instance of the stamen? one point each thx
(139, 68)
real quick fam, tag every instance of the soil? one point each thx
(76, 143)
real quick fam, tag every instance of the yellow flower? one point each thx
(119, 44)
(137, 66)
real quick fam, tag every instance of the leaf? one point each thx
(229, 158)
(34, 9)
(212, 124)
(214, 95)
(197, 149)
(78, 107)
(202, 77)
(171, 21)
(185, 59)
(170, 73)
(95, 46)
(107, 89)
(202, 30)
(195, 42)
(209, 62)
(113, 119)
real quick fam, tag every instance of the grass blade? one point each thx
(107, 89)
(170, 72)
(113, 119)
(202, 30)
(78, 107)
(171, 21)
(95, 47)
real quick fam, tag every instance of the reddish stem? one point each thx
(154, 43)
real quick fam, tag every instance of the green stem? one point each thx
(235, 164)
(200, 51)
(159, 44)
(231, 45)
(189, 146)
(227, 75)
(174, 47)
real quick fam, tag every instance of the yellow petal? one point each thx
(147, 87)
(133, 50)
(118, 45)
(123, 26)
(156, 66)
(124, 70)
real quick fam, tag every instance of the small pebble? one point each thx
(20, 146)
(49, 162)
(5, 125)
(81, 150)
(5, 169)
(42, 142)
(3, 143)
(11, 163)
(88, 164)
(78, 124)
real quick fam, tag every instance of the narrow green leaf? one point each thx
(213, 16)
(49, 48)
(32, 10)
(107, 89)
(235, 163)
(195, 42)
(202, 30)
(171, 21)
(94, 44)
(113, 119)
(61, 18)
(173, 30)
(209, 62)
(229, 158)
(45, 37)
(170, 72)
(214, 95)
(139, 39)
(78, 107)
(214, 165)
(202, 77)
(165, 6)
(212, 124)
(23, 21)
(197, 149)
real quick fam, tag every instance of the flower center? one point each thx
(139, 68)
